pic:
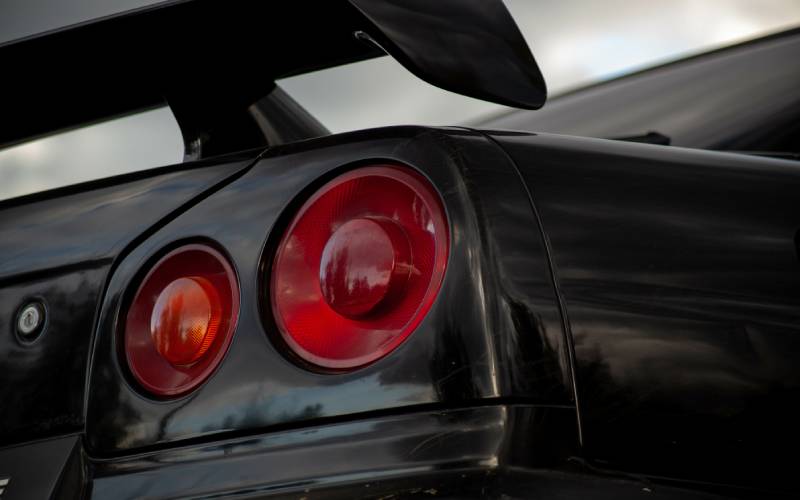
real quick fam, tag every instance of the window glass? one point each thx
(24, 18)
(133, 142)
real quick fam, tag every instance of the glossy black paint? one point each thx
(283, 120)
(495, 451)
(210, 70)
(213, 70)
(453, 450)
(53, 468)
(494, 332)
(681, 279)
(677, 280)
(58, 247)
(739, 98)
(471, 47)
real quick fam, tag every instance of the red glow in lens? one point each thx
(359, 266)
(181, 320)
(361, 262)
(185, 320)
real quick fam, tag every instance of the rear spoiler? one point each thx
(211, 60)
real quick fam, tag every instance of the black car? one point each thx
(470, 311)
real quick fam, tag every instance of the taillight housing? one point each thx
(359, 266)
(181, 320)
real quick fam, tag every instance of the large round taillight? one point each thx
(181, 320)
(359, 266)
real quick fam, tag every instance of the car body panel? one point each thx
(49, 468)
(680, 274)
(495, 330)
(616, 320)
(435, 450)
(58, 248)
(737, 98)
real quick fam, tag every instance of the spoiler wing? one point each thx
(211, 60)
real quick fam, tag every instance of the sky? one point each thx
(575, 42)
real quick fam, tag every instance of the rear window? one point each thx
(133, 142)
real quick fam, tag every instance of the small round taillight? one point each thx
(359, 266)
(181, 320)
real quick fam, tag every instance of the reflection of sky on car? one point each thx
(261, 406)
(574, 41)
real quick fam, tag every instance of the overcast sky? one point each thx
(574, 41)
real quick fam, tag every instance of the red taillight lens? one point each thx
(359, 266)
(181, 320)
(185, 320)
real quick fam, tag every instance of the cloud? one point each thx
(574, 41)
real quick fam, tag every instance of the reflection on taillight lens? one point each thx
(185, 320)
(181, 320)
(359, 266)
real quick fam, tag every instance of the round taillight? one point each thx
(185, 320)
(359, 266)
(181, 320)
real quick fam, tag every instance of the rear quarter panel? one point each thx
(494, 332)
(59, 247)
(680, 274)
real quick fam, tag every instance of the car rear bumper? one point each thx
(493, 450)
(455, 451)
